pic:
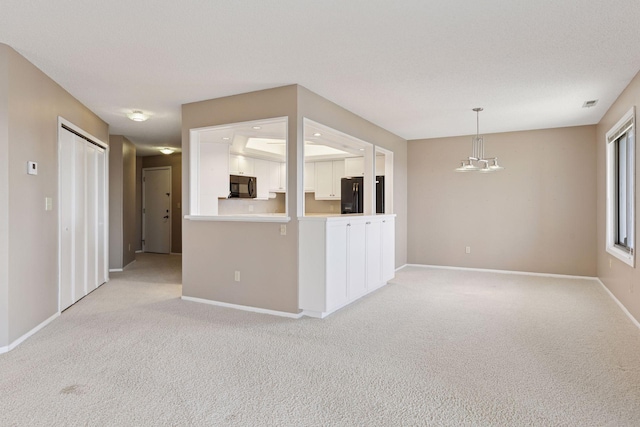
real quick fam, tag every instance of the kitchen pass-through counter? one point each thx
(342, 258)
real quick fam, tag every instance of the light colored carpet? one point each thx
(435, 347)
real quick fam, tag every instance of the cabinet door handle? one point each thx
(348, 225)
(368, 222)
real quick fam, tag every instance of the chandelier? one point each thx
(477, 162)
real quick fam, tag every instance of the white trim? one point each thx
(239, 218)
(28, 334)
(486, 270)
(403, 266)
(127, 266)
(244, 307)
(624, 309)
(139, 251)
(627, 122)
(116, 270)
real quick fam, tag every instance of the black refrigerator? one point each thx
(351, 191)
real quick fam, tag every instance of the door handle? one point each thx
(166, 217)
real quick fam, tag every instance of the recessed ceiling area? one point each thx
(415, 68)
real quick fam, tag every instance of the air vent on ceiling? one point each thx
(591, 103)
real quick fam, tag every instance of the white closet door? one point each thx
(66, 162)
(83, 217)
(102, 227)
(91, 183)
(80, 221)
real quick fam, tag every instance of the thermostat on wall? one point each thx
(32, 168)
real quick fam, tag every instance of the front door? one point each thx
(156, 210)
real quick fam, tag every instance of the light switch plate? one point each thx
(32, 168)
(48, 204)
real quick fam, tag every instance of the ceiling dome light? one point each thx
(167, 150)
(138, 116)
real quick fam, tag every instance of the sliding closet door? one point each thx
(79, 220)
(102, 192)
(66, 141)
(83, 216)
(91, 182)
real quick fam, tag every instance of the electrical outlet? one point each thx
(129, 247)
(467, 249)
(237, 276)
(283, 229)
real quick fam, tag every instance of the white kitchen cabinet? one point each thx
(337, 294)
(357, 258)
(374, 253)
(263, 178)
(328, 176)
(241, 165)
(278, 177)
(354, 166)
(309, 177)
(388, 248)
(341, 259)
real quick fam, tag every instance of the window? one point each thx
(238, 171)
(620, 231)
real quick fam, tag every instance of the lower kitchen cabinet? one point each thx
(342, 259)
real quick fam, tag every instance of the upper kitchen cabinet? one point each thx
(241, 165)
(327, 179)
(253, 149)
(354, 166)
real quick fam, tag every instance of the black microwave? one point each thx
(242, 186)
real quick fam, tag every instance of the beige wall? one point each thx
(537, 215)
(122, 202)
(175, 161)
(115, 202)
(622, 280)
(311, 205)
(212, 251)
(34, 102)
(4, 197)
(139, 204)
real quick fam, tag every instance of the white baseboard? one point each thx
(116, 270)
(244, 307)
(139, 251)
(486, 270)
(28, 334)
(624, 309)
(401, 267)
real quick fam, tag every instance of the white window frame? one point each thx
(626, 123)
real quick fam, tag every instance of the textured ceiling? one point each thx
(416, 68)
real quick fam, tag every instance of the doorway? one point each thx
(156, 210)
